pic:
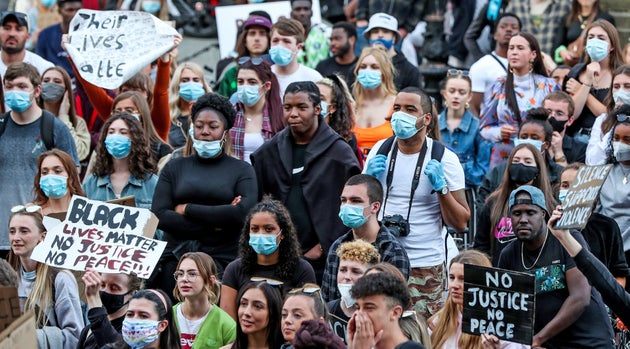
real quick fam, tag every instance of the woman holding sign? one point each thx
(52, 294)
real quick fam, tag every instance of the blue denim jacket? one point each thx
(472, 150)
(100, 188)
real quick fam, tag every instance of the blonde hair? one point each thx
(207, 269)
(444, 323)
(360, 251)
(387, 72)
(173, 89)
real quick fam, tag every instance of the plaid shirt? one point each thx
(551, 22)
(390, 249)
(237, 132)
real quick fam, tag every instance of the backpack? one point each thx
(437, 150)
(47, 127)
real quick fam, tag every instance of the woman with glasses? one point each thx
(259, 114)
(525, 166)
(52, 294)
(187, 85)
(510, 97)
(56, 181)
(355, 257)
(258, 321)
(301, 304)
(459, 128)
(374, 91)
(122, 164)
(268, 249)
(200, 321)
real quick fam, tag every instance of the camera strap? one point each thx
(416, 175)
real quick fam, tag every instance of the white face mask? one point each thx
(621, 151)
(344, 289)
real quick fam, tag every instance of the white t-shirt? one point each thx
(485, 72)
(33, 59)
(251, 142)
(425, 242)
(598, 143)
(303, 73)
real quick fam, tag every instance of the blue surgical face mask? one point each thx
(151, 6)
(386, 43)
(597, 49)
(352, 215)
(139, 333)
(54, 186)
(324, 106)
(369, 78)
(191, 91)
(118, 146)
(264, 244)
(622, 96)
(404, 125)
(205, 149)
(280, 55)
(535, 142)
(48, 3)
(563, 194)
(248, 94)
(17, 100)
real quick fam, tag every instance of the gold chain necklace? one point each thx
(539, 253)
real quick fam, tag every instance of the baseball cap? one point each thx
(19, 17)
(537, 197)
(385, 21)
(257, 21)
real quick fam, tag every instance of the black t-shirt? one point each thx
(297, 204)
(235, 277)
(338, 319)
(330, 66)
(592, 329)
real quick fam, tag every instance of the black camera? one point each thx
(396, 225)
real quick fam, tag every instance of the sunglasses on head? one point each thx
(308, 290)
(271, 282)
(622, 118)
(254, 60)
(457, 72)
(22, 208)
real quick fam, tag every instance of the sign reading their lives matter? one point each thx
(499, 302)
(102, 236)
(109, 47)
(578, 205)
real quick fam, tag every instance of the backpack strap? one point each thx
(386, 146)
(47, 129)
(437, 150)
(4, 118)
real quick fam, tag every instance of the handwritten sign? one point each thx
(109, 47)
(9, 306)
(578, 205)
(20, 334)
(106, 237)
(499, 302)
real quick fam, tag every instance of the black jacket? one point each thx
(406, 73)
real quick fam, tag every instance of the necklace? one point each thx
(539, 253)
(625, 176)
(583, 21)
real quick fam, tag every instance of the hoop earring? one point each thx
(467, 105)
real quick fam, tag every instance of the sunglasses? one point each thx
(457, 72)
(622, 118)
(22, 208)
(254, 60)
(271, 282)
(307, 290)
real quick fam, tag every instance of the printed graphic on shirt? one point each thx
(503, 231)
(551, 278)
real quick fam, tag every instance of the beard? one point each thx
(13, 49)
(343, 50)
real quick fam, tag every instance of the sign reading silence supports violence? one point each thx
(499, 302)
(578, 205)
(109, 47)
(102, 236)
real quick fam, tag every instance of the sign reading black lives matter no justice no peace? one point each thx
(578, 205)
(499, 302)
(102, 236)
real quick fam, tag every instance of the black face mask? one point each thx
(521, 174)
(113, 302)
(556, 124)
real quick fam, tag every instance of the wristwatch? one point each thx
(563, 158)
(444, 190)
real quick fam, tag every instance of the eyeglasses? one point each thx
(408, 313)
(271, 282)
(254, 60)
(622, 118)
(457, 72)
(190, 276)
(555, 113)
(29, 209)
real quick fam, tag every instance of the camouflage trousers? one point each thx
(426, 286)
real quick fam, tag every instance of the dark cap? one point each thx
(537, 197)
(20, 18)
(257, 21)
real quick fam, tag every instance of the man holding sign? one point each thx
(568, 314)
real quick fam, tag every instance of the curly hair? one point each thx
(74, 183)
(289, 248)
(223, 108)
(360, 251)
(140, 161)
(274, 308)
(342, 119)
(316, 334)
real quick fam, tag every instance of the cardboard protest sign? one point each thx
(106, 237)
(499, 302)
(109, 47)
(9, 306)
(578, 205)
(20, 334)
